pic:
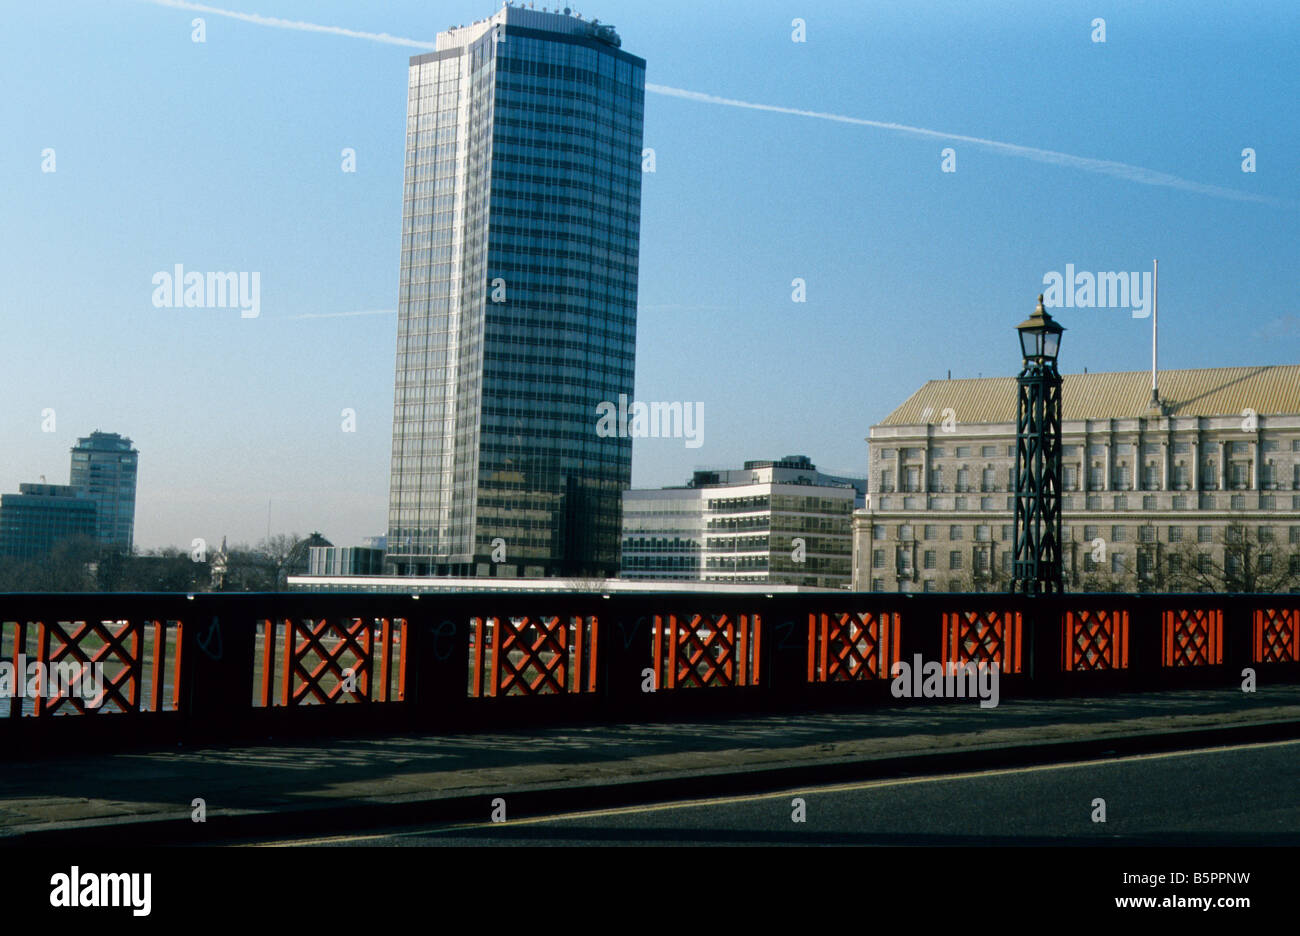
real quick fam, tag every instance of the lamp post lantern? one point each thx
(1036, 564)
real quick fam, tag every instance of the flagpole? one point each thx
(1155, 316)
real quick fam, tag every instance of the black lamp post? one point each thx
(1036, 565)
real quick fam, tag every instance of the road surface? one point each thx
(1240, 795)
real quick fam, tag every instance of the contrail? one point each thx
(291, 24)
(1117, 170)
(321, 315)
(677, 307)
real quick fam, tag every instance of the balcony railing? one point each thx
(178, 669)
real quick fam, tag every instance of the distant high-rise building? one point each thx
(517, 306)
(39, 516)
(104, 465)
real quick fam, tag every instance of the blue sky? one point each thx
(225, 155)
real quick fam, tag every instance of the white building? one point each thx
(769, 522)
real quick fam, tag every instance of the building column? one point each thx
(1255, 448)
(1166, 481)
(1085, 463)
(1196, 461)
(1106, 446)
(1223, 465)
(925, 468)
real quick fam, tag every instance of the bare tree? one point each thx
(1234, 562)
(1108, 572)
(247, 569)
(585, 583)
(989, 579)
(280, 551)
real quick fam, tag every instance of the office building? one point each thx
(769, 522)
(40, 516)
(517, 302)
(345, 560)
(104, 465)
(1201, 492)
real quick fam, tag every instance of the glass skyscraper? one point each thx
(104, 465)
(517, 306)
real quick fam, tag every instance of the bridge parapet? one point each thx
(220, 667)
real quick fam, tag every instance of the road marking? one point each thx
(752, 797)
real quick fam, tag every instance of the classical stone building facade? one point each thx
(1199, 493)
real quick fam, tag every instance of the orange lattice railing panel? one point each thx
(529, 655)
(1277, 635)
(119, 646)
(84, 667)
(704, 650)
(327, 661)
(1192, 637)
(1094, 640)
(850, 646)
(324, 661)
(983, 637)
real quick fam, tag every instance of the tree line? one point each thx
(1233, 561)
(82, 565)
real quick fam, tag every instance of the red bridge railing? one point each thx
(306, 661)
(211, 667)
(533, 655)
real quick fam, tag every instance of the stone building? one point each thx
(1198, 493)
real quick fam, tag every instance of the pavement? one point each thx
(331, 787)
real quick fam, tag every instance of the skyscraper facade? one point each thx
(104, 465)
(517, 304)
